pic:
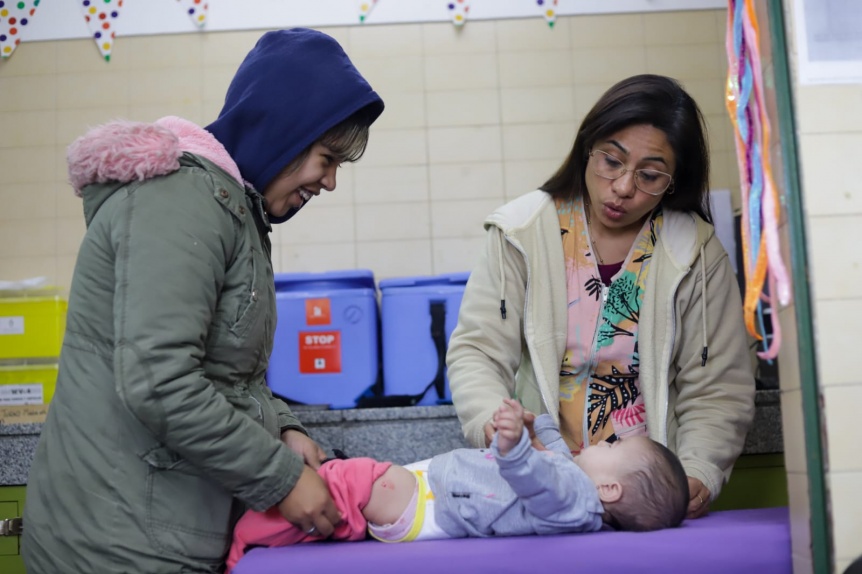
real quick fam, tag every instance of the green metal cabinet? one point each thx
(11, 506)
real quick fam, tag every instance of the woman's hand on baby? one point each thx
(309, 506)
(304, 446)
(509, 421)
(698, 499)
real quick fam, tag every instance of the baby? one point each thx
(525, 483)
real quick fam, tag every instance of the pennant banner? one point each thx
(365, 8)
(197, 11)
(14, 19)
(458, 10)
(549, 10)
(101, 15)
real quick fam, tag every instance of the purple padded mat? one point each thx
(733, 541)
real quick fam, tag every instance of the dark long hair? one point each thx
(653, 100)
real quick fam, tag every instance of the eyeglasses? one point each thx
(649, 181)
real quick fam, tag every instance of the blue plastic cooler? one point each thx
(410, 356)
(326, 341)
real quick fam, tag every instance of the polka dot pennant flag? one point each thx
(197, 10)
(101, 17)
(459, 9)
(15, 17)
(365, 8)
(549, 10)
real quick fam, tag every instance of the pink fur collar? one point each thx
(126, 151)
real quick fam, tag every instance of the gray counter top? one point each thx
(400, 434)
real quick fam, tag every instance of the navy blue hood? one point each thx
(291, 88)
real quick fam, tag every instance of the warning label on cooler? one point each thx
(319, 352)
(22, 394)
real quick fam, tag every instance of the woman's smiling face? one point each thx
(293, 187)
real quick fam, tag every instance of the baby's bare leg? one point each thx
(390, 495)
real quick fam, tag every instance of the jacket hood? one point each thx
(121, 152)
(291, 88)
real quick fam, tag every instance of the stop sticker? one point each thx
(319, 352)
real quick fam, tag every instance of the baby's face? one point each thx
(609, 462)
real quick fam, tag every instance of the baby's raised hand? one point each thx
(509, 420)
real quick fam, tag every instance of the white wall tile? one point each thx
(831, 191)
(28, 165)
(460, 72)
(800, 515)
(469, 180)
(172, 51)
(691, 61)
(28, 128)
(316, 257)
(675, 28)
(38, 58)
(319, 224)
(590, 31)
(403, 110)
(460, 219)
(377, 41)
(28, 238)
(846, 509)
(96, 90)
(793, 431)
(444, 38)
(402, 73)
(462, 144)
(392, 221)
(842, 428)
(395, 147)
(402, 258)
(527, 175)
(181, 86)
(21, 93)
(823, 109)
(537, 141)
(608, 65)
(536, 69)
(530, 34)
(391, 184)
(27, 201)
(836, 273)
(833, 344)
(537, 105)
(456, 255)
(18, 268)
(463, 108)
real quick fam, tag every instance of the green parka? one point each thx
(162, 428)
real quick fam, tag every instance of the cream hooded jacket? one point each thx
(511, 335)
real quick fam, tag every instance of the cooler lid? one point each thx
(343, 279)
(426, 280)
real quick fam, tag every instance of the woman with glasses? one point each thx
(605, 298)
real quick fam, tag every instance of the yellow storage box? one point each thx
(32, 323)
(30, 383)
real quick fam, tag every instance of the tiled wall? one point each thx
(474, 116)
(828, 126)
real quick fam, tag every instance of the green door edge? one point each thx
(821, 548)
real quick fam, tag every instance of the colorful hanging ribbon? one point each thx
(745, 103)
